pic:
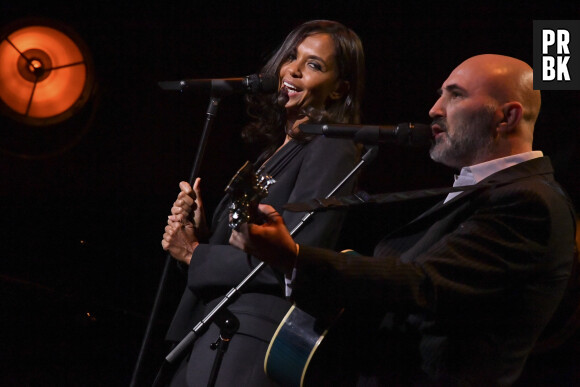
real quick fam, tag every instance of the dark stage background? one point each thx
(82, 219)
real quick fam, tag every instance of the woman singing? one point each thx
(320, 67)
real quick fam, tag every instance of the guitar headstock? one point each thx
(246, 188)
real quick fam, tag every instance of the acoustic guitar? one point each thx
(290, 359)
(246, 188)
(301, 353)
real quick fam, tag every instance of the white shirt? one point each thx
(476, 173)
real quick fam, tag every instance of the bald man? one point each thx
(464, 290)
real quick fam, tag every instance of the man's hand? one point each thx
(270, 242)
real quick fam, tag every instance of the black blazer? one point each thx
(470, 284)
(302, 171)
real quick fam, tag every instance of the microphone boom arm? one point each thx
(407, 134)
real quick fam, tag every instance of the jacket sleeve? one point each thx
(513, 252)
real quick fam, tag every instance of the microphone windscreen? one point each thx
(420, 136)
(268, 83)
(282, 98)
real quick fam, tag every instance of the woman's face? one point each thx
(310, 74)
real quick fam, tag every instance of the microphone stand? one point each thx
(210, 116)
(172, 359)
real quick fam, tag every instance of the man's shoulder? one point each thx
(530, 182)
(540, 166)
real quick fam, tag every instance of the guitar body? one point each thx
(306, 351)
(292, 347)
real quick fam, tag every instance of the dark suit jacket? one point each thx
(302, 171)
(465, 289)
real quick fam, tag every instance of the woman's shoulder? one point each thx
(329, 144)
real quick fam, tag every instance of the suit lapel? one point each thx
(538, 166)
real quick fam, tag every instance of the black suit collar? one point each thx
(526, 169)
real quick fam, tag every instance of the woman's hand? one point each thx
(186, 224)
(179, 240)
(189, 202)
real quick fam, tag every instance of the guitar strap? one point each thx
(361, 197)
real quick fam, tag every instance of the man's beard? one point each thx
(468, 145)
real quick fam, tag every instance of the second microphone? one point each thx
(406, 134)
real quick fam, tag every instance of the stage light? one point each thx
(47, 88)
(46, 74)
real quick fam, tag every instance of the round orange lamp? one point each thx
(46, 74)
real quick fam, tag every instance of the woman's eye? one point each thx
(315, 66)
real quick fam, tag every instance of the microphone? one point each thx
(221, 87)
(406, 134)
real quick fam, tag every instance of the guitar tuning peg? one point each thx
(213, 346)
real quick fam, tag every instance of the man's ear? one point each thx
(342, 88)
(512, 115)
